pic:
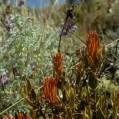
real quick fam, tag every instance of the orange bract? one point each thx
(50, 90)
(58, 64)
(93, 46)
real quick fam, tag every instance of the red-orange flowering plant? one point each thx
(50, 91)
(93, 47)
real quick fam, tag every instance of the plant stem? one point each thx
(66, 19)
(12, 106)
(61, 33)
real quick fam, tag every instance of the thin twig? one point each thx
(112, 43)
(78, 114)
(59, 45)
(116, 52)
(40, 88)
(74, 66)
(69, 12)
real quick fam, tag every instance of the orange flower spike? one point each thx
(50, 90)
(46, 88)
(54, 92)
(54, 99)
(93, 45)
(58, 64)
(51, 97)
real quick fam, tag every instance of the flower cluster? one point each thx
(50, 91)
(93, 46)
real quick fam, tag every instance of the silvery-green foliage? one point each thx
(27, 43)
(26, 46)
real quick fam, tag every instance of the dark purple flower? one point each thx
(21, 3)
(68, 27)
(4, 79)
(73, 28)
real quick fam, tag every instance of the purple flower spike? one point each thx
(68, 27)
